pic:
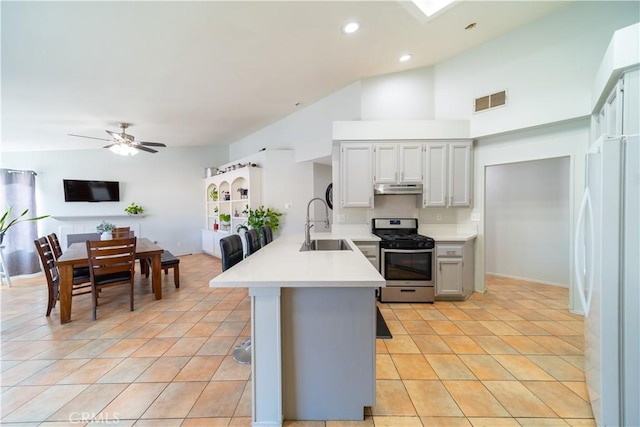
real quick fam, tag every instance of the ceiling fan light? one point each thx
(123, 150)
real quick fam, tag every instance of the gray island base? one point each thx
(313, 318)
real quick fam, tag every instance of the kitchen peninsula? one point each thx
(313, 327)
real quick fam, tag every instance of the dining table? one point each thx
(76, 256)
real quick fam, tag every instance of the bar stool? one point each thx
(3, 269)
(267, 235)
(253, 241)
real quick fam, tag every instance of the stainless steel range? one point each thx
(407, 261)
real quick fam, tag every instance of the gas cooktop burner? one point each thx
(401, 234)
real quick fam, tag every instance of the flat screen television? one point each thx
(76, 190)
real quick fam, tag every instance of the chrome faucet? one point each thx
(309, 223)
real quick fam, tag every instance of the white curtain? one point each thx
(19, 192)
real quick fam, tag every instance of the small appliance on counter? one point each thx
(406, 260)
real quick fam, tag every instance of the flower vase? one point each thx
(107, 235)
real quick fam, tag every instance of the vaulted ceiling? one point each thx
(205, 73)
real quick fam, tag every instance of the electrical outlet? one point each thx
(438, 217)
(475, 216)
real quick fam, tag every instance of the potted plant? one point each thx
(261, 216)
(105, 229)
(5, 224)
(214, 194)
(134, 209)
(225, 221)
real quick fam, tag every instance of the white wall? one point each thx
(168, 184)
(307, 131)
(400, 96)
(547, 67)
(321, 179)
(527, 223)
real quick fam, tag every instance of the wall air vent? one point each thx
(490, 101)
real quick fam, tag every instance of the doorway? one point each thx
(527, 220)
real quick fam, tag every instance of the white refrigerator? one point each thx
(607, 261)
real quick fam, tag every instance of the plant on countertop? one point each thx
(105, 227)
(261, 216)
(5, 224)
(134, 209)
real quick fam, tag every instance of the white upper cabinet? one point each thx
(356, 164)
(398, 163)
(448, 174)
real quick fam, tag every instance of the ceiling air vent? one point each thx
(490, 101)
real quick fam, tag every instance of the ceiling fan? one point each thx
(125, 144)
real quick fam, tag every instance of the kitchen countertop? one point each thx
(448, 233)
(281, 264)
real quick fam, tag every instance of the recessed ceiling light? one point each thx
(405, 57)
(351, 27)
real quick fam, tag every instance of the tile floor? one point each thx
(510, 357)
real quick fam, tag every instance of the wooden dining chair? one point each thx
(81, 282)
(121, 232)
(111, 263)
(55, 245)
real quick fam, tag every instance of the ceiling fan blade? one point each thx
(110, 145)
(90, 137)
(152, 144)
(139, 147)
(116, 136)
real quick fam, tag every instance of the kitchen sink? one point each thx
(326, 245)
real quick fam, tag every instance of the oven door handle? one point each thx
(407, 251)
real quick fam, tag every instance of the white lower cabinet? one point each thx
(371, 250)
(454, 270)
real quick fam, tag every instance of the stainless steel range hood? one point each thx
(397, 189)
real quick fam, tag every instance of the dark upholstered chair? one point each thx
(253, 241)
(231, 250)
(111, 263)
(167, 261)
(81, 283)
(267, 235)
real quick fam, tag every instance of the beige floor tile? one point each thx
(463, 345)
(432, 399)
(401, 344)
(474, 399)
(494, 345)
(449, 367)
(175, 330)
(216, 346)
(498, 327)
(479, 314)
(542, 422)
(132, 402)
(91, 401)
(124, 348)
(525, 345)
(176, 400)
(579, 388)
(229, 329)
(392, 399)
(154, 347)
(218, 399)
(472, 327)
(580, 422)
(231, 370)
(485, 367)
(431, 344)
(164, 369)
(396, 327)
(522, 368)
(493, 422)
(417, 327)
(127, 370)
(22, 371)
(44, 404)
(413, 367)
(14, 397)
(367, 422)
(199, 368)
(385, 368)
(54, 372)
(556, 345)
(206, 422)
(455, 314)
(381, 347)
(432, 315)
(290, 423)
(148, 330)
(558, 368)
(244, 405)
(527, 327)
(561, 399)
(518, 400)
(186, 346)
(92, 349)
(389, 421)
(155, 422)
(445, 422)
(445, 327)
(91, 371)
(557, 328)
(202, 329)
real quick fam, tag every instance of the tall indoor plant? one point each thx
(5, 224)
